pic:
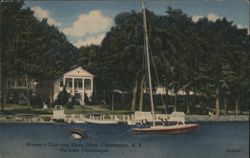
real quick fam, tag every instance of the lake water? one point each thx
(210, 140)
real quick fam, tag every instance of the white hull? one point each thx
(132, 122)
(79, 121)
(95, 121)
(175, 129)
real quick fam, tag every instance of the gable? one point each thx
(78, 72)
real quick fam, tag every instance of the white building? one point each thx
(78, 82)
(17, 90)
(162, 90)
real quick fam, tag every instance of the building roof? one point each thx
(78, 72)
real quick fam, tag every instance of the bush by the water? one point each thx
(63, 97)
(36, 101)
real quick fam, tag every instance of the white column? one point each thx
(91, 86)
(64, 81)
(83, 91)
(15, 83)
(73, 86)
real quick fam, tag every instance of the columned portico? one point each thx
(78, 82)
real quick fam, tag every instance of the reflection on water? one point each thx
(211, 140)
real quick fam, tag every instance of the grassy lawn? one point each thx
(14, 109)
(22, 109)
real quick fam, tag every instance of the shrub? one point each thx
(63, 97)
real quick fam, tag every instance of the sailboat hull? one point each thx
(94, 121)
(176, 129)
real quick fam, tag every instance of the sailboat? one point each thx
(178, 128)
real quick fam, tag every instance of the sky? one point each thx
(86, 22)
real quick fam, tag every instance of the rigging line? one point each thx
(124, 133)
(118, 136)
(145, 72)
(144, 64)
(157, 79)
(144, 68)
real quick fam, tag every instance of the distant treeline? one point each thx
(198, 104)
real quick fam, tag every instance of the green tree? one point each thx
(185, 54)
(31, 49)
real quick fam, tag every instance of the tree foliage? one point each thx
(30, 48)
(205, 57)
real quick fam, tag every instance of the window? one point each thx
(21, 95)
(78, 83)
(12, 83)
(21, 83)
(68, 82)
(61, 83)
(9, 83)
(87, 84)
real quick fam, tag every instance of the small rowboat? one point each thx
(78, 133)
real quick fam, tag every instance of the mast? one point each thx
(148, 61)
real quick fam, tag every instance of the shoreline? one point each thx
(189, 118)
(206, 118)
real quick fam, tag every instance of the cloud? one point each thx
(239, 26)
(41, 13)
(91, 40)
(92, 23)
(196, 18)
(211, 17)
